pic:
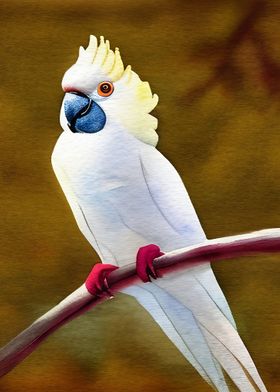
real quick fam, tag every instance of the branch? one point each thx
(81, 300)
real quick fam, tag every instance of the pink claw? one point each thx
(96, 281)
(144, 262)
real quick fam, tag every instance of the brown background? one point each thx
(216, 67)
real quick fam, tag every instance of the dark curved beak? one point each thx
(76, 105)
(82, 113)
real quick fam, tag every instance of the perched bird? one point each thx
(130, 203)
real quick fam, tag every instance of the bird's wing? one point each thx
(190, 307)
(170, 195)
(75, 206)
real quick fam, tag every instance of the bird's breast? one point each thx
(97, 166)
(108, 185)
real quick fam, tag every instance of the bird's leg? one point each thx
(96, 282)
(144, 262)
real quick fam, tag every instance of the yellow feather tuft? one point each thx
(132, 99)
(144, 91)
(84, 57)
(127, 74)
(92, 46)
(109, 62)
(101, 53)
(118, 67)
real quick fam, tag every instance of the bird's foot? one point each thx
(144, 262)
(96, 282)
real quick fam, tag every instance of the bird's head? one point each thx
(101, 94)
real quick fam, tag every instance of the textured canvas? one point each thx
(215, 66)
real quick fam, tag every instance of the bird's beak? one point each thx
(82, 113)
(75, 106)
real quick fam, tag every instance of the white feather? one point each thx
(125, 194)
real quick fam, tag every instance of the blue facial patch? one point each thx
(83, 114)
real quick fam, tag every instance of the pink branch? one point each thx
(81, 300)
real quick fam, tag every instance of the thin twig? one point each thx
(240, 34)
(81, 300)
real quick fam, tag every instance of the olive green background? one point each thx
(216, 67)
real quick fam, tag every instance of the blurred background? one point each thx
(216, 67)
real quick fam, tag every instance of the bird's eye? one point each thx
(105, 89)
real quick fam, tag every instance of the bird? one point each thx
(130, 204)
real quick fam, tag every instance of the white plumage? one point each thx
(124, 194)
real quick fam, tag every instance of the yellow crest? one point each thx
(132, 100)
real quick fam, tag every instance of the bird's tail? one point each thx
(193, 312)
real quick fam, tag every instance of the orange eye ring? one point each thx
(105, 89)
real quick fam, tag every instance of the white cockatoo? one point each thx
(129, 200)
